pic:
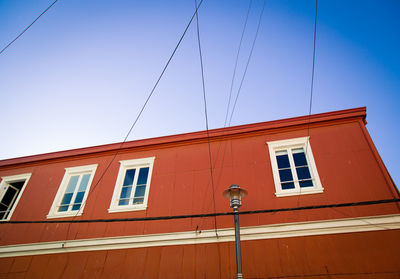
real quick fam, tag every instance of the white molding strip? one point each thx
(351, 225)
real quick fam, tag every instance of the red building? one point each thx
(325, 159)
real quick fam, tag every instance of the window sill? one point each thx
(296, 193)
(127, 208)
(69, 214)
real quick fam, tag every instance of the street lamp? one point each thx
(235, 195)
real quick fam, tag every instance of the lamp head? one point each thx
(235, 194)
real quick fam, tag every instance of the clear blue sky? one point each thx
(79, 76)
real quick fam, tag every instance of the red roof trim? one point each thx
(288, 122)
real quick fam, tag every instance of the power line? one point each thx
(227, 112)
(141, 110)
(234, 73)
(247, 64)
(241, 83)
(148, 98)
(206, 118)
(311, 207)
(236, 62)
(312, 82)
(51, 5)
(208, 135)
(358, 218)
(313, 61)
(313, 68)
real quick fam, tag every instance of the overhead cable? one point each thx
(206, 119)
(313, 61)
(148, 98)
(289, 209)
(236, 62)
(20, 34)
(312, 81)
(142, 109)
(247, 64)
(208, 135)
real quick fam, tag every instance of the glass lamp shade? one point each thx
(234, 192)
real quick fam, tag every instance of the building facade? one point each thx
(119, 192)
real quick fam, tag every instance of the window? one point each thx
(293, 167)
(73, 191)
(132, 187)
(11, 189)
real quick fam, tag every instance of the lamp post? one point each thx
(234, 193)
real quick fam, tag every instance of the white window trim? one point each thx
(10, 179)
(135, 163)
(274, 146)
(53, 213)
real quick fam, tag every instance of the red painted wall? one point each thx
(367, 255)
(348, 165)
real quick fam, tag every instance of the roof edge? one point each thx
(240, 129)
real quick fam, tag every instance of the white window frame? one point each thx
(5, 180)
(125, 165)
(69, 172)
(303, 142)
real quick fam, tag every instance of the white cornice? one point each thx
(351, 225)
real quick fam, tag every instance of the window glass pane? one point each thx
(303, 173)
(139, 192)
(306, 183)
(129, 176)
(143, 173)
(67, 198)
(72, 184)
(123, 202)
(126, 192)
(289, 185)
(130, 191)
(74, 188)
(285, 175)
(138, 200)
(84, 182)
(9, 196)
(18, 184)
(3, 210)
(299, 159)
(76, 207)
(63, 208)
(79, 197)
(283, 161)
